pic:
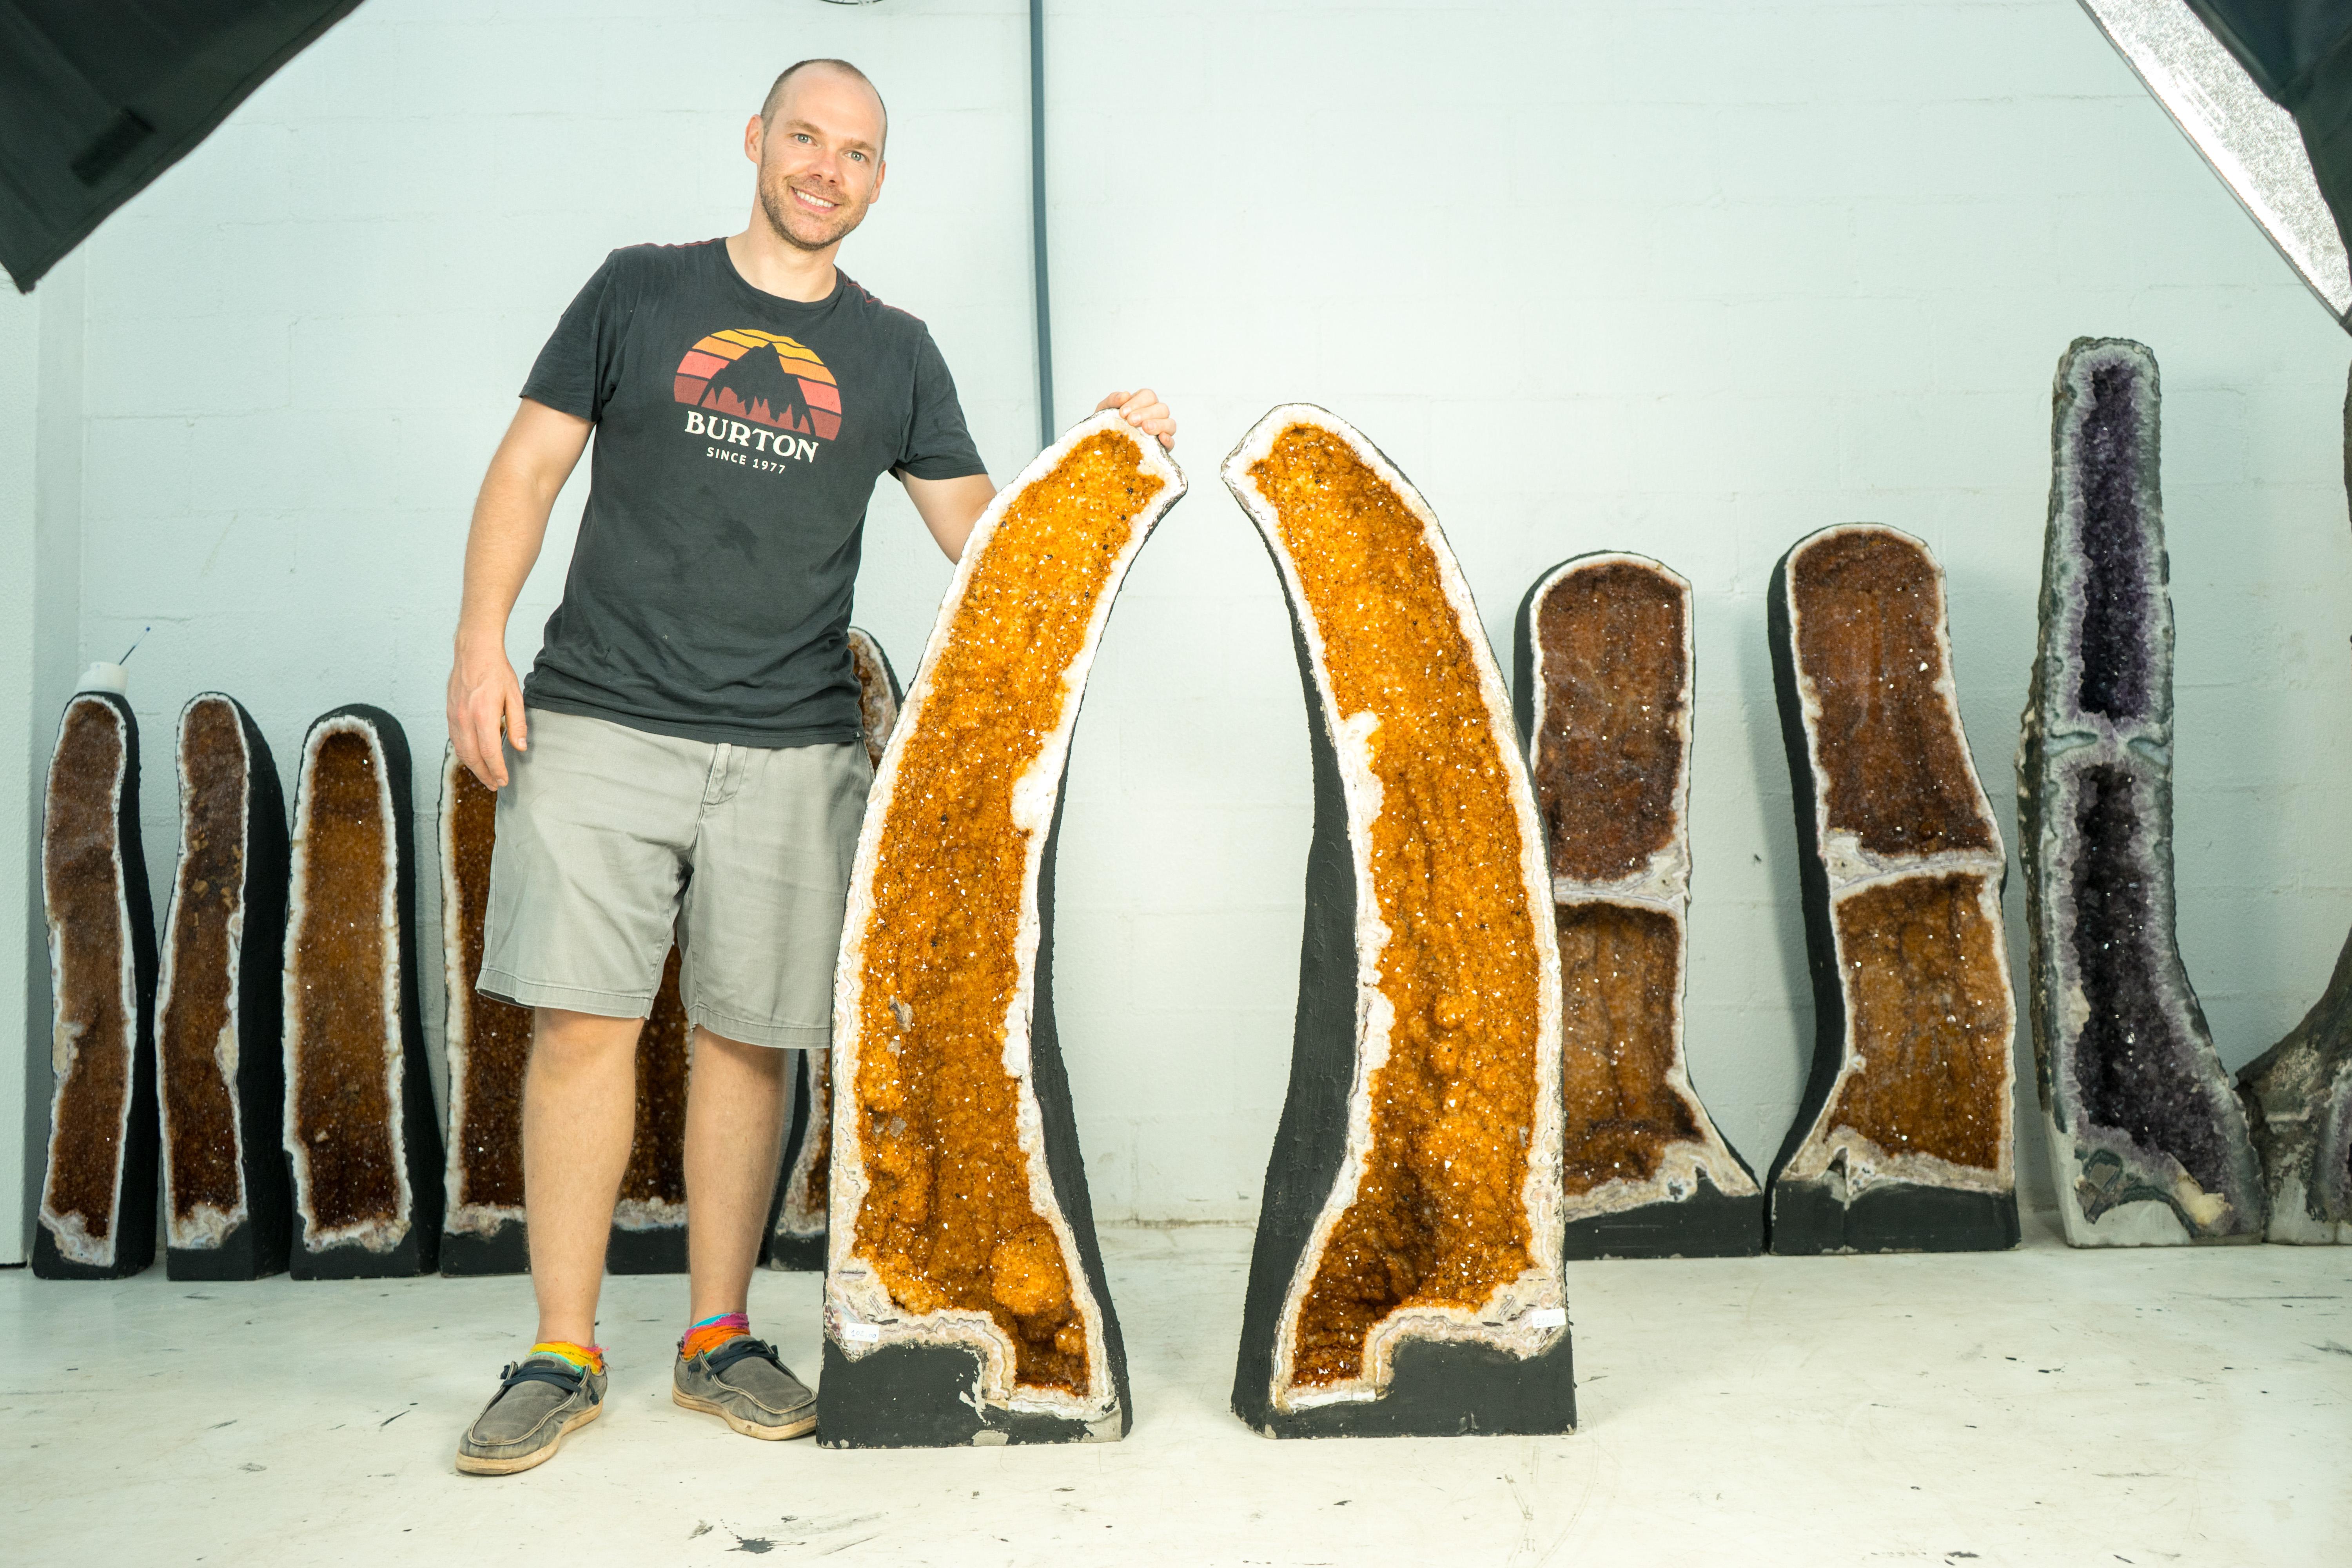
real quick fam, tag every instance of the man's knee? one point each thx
(566, 1039)
(742, 1057)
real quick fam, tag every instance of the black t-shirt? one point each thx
(737, 440)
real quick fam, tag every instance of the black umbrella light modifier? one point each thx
(2264, 91)
(100, 97)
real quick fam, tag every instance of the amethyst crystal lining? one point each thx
(2117, 444)
(2147, 1142)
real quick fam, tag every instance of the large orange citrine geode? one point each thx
(938, 1151)
(1444, 1222)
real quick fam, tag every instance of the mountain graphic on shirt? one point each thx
(761, 377)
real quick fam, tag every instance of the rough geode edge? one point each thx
(1432, 1372)
(2113, 1189)
(475, 1238)
(943, 1379)
(1913, 1203)
(796, 1229)
(1705, 1200)
(57, 1253)
(410, 1243)
(253, 1242)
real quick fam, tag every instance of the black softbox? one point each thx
(99, 97)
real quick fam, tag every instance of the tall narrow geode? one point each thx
(1903, 1141)
(1601, 686)
(2147, 1142)
(360, 1123)
(488, 1045)
(1406, 1279)
(97, 1220)
(965, 1300)
(796, 1232)
(228, 1210)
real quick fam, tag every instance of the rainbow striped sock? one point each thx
(712, 1332)
(581, 1358)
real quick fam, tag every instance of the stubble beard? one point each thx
(775, 200)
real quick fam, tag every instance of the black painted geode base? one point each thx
(411, 1255)
(1808, 1220)
(927, 1396)
(1442, 1389)
(470, 1254)
(659, 1249)
(1707, 1224)
(242, 1254)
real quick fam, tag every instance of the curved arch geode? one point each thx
(1406, 1278)
(965, 1300)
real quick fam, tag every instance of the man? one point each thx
(686, 753)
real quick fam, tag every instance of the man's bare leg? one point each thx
(579, 1115)
(734, 1143)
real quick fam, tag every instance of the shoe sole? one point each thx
(468, 1465)
(749, 1429)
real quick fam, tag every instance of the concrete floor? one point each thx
(2043, 1406)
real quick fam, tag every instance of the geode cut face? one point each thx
(1903, 1141)
(196, 1036)
(1605, 691)
(797, 1238)
(2148, 1142)
(965, 1299)
(97, 1194)
(488, 1043)
(360, 1125)
(227, 1209)
(1412, 1209)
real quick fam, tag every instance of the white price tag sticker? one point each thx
(1548, 1318)
(860, 1333)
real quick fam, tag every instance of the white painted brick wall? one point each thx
(1688, 279)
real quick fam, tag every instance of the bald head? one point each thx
(834, 71)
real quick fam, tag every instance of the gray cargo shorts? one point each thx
(611, 839)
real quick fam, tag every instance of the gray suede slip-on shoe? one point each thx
(745, 1384)
(539, 1399)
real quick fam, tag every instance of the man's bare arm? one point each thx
(541, 448)
(949, 507)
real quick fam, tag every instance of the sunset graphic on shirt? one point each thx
(761, 377)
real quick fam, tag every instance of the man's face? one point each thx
(820, 158)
